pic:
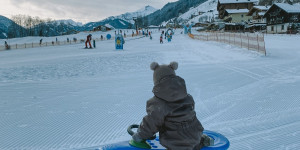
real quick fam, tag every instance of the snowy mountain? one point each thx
(122, 21)
(112, 23)
(205, 12)
(140, 13)
(70, 22)
(171, 10)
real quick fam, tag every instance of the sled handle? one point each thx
(129, 129)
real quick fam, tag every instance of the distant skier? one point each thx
(161, 40)
(171, 113)
(166, 35)
(6, 45)
(88, 40)
(41, 41)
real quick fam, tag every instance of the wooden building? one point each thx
(237, 15)
(257, 23)
(102, 28)
(282, 18)
(257, 13)
(233, 4)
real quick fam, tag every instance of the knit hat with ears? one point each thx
(161, 71)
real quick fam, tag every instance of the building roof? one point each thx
(289, 8)
(237, 11)
(260, 9)
(237, 1)
(261, 13)
(263, 8)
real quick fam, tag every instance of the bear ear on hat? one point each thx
(174, 65)
(154, 65)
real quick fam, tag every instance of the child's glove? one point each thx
(137, 138)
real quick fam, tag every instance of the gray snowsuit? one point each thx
(171, 113)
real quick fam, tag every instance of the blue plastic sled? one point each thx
(220, 143)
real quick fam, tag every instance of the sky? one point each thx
(78, 10)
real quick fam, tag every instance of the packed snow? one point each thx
(66, 97)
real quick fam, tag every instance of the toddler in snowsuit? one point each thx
(171, 113)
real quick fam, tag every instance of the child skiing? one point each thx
(88, 40)
(171, 113)
(161, 39)
(6, 45)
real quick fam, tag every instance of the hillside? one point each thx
(171, 10)
(123, 21)
(4, 24)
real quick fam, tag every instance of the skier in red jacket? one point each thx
(88, 40)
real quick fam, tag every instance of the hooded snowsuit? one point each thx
(171, 112)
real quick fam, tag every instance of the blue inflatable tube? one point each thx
(220, 143)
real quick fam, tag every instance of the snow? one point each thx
(66, 97)
(210, 9)
(109, 26)
(122, 22)
(261, 13)
(139, 13)
(295, 8)
(263, 8)
(237, 1)
(70, 21)
(4, 34)
(237, 11)
(81, 35)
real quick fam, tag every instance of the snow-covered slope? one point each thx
(123, 21)
(70, 21)
(208, 10)
(66, 97)
(139, 13)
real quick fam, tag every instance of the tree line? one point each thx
(24, 25)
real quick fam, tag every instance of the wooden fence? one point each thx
(45, 44)
(251, 41)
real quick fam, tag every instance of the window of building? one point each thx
(272, 28)
(242, 16)
(282, 27)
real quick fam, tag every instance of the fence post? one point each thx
(265, 45)
(257, 44)
(233, 38)
(25, 45)
(241, 40)
(229, 37)
(32, 45)
(248, 40)
(16, 46)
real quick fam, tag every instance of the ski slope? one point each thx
(66, 97)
